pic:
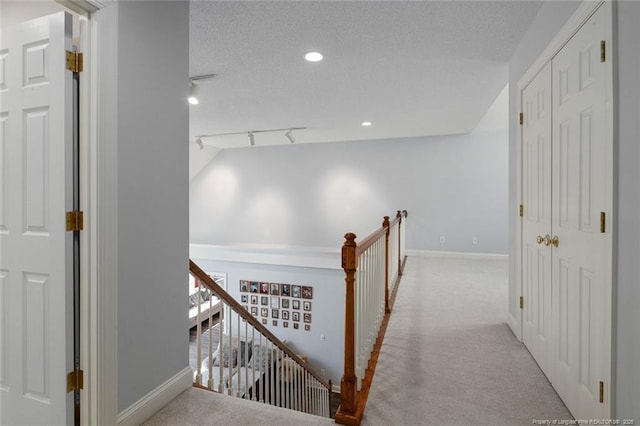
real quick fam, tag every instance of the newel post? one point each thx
(385, 224)
(348, 383)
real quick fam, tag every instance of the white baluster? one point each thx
(198, 337)
(222, 321)
(210, 358)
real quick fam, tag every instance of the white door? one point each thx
(536, 220)
(36, 314)
(582, 192)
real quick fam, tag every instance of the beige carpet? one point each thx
(450, 359)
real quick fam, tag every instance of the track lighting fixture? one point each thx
(251, 134)
(289, 136)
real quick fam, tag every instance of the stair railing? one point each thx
(249, 361)
(373, 268)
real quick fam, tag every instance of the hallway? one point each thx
(448, 359)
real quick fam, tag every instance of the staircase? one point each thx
(250, 362)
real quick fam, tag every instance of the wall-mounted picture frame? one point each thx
(275, 302)
(285, 315)
(307, 318)
(264, 312)
(285, 303)
(275, 313)
(285, 324)
(254, 311)
(285, 290)
(295, 316)
(295, 291)
(296, 325)
(244, 286)
(306, 305)
(275, 323)
(264, 321)
(275, 289)
(264, 300)
(264, 288)
(307, 327)
(307, 292)
(244, 298)
(254, 299)
(254, 287)
(295, 304)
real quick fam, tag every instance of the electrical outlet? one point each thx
(442, 239)
(475, 240)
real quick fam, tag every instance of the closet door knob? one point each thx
(540, 239)
(547, 240)
(555, 241)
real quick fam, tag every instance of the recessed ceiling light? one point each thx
(314, 56)
(366, 123)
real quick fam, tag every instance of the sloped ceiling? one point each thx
(411, 68)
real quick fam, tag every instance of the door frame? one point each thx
(98, 173)
(98, 200)
(576, 21)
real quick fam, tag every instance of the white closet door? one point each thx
(36, 321)
(536, 222)
(582, 185)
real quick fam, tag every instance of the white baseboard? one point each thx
(512, 322)
(148, 405)
(456, 254)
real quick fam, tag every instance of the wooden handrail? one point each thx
(373, 237)
(237, 307)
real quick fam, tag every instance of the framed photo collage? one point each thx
(284, 304)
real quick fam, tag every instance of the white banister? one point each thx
(372, 272)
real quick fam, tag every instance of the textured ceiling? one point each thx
(412, 68)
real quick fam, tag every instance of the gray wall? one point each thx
(312, 194)
(153, 188)
(628, 244)
(550, 19)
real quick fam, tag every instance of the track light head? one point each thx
(193, 93)
(289, 136)
(252, 140)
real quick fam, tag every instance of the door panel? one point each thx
(536, 167)
(582, 182)
(36, 191)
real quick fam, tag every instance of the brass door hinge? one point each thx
(603, 54)
(75, 221)
(521, 210)
(602, 392)
(75, 380)
(521, 118)
(521, 302)
(603, 221)
(74, 61)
